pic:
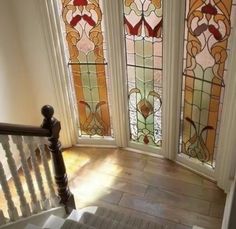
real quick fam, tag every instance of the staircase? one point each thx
(97, 218)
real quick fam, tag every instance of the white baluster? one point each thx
(53, 197)
(12, 211)
(2, 218)
(32, 145)
(35, 204)
(24, 206)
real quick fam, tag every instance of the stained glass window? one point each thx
(207, 32)
(85, 37)
(143, 36)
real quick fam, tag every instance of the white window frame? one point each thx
(173, 54)
(113, 17)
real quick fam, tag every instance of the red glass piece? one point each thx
(80, 2)
(216, 33)
(145, 107)
(89, 20)
(153, 32)
(200, 29)
(209, 9)
(133, 30)
(75, 20)
(145, 139)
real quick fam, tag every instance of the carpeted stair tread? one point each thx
(71, 224)
(101, 222)
(99, 218)
(128, 220)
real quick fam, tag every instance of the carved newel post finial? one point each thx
(54, 126)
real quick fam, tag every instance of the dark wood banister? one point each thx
(23, 130)
(50, 128)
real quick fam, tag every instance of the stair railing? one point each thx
(28, 140)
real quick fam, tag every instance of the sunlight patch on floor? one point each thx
(95, 185)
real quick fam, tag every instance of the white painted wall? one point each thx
(229, 220)
(16, 94)
(34, 43)
(26, 82)
(31, 39)
(16, 100)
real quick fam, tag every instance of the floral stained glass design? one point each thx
(207, 32)
(84, 35)
(143, 36)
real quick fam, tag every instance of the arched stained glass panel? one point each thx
(143, 36)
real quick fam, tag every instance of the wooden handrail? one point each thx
(23, 130)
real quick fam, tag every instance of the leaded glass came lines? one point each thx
(143, 36)
(207, 31)
(84, 35)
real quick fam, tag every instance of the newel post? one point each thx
(52, 124)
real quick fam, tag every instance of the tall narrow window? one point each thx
(84, 34)
(143, 36)
(207, 31)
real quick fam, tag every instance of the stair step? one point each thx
(54, 222)
(77, 214)
(101, 222)
(31, 226)
(128, 220)
(98, 218)
(71, 224)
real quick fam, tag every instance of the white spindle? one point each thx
(53, 197)
(32, 145)
(12, 211)
(24, 206)
(2, 218)
(35, 204)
